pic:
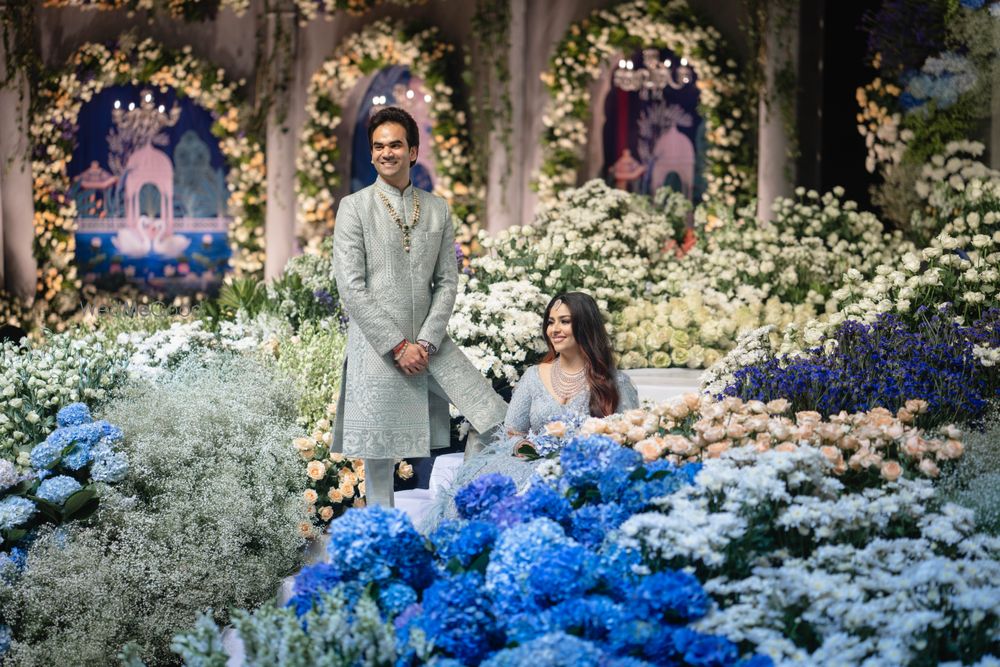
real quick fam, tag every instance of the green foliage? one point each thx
(313, 360)
(208, 517)
(328, 634)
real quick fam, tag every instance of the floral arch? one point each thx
(592, 44)
(379, 45)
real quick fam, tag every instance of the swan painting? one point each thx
(165, 242)
(134, 241)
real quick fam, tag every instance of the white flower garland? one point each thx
(583, 57)
(89, 71)
(379, 45)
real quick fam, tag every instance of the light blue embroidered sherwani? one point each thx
(391, 295)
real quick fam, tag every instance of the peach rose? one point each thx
(778, 406)
(808, 417)
(361, 488)
(649, 448)
(677, 409)
(917, 406)
(929, 468)
(347, 490)
(404, 470)
(692, 400)
(829, 432)
(636, 433)
(832, 454)
(310, 496)
(757, 407)
(326, 513)
(306, 530)
(556, 429)
(336, 457)
(335, 495)
(891, 470)
(636, 416)
(904, 416)
(736, 431)
(316, 470)
(677, 444)
(951, 449)
(323, 424)
(914, 446)
(779, 429)
(348, 477)
(359, 502)
(786, 447)
(717, 448)
(713, 434)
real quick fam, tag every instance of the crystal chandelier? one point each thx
(656, 75)
(144, 122)
(404, 97)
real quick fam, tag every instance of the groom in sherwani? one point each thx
(394, 260)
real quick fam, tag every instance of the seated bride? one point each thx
(577, 378)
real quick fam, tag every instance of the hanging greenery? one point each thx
(377, 46)
(488, 79)
(589, 48)
(60, 97)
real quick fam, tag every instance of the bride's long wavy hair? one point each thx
(595, 345)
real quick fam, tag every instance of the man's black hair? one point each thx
(399, 116)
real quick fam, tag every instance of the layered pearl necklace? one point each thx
(567, 385)
(403, 227)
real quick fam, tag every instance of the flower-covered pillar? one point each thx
(17, 261)
(995, 110)
(279, 228)
(775, 138)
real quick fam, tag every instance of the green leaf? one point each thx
(78, 500)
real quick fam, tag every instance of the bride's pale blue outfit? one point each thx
(532, 406)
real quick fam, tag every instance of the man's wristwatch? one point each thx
(430, 349)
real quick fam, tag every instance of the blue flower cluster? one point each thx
(370, 546)
(885, 364)
(58, 489)
(15, 511)
(941, 80)
(528, 578)
(79, 451)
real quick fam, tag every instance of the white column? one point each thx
(279, 225)
(17, 261)
(775, 168)
(504, 192)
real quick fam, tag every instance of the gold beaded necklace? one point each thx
(403, 227)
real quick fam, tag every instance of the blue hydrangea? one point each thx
(46, 454)
(673, 596)
(457, 618)
(462, 541)
(396, 597)
(598, 462)
(557, 649)
(619, 569)
(477, 498)
(109, 466)
(542, 501)
(311, 583)
(591, 523)
(529, 562)
(5, 638)
(85, 438)
(378, 544)
(15, 511)
(73, 414)
(595, 618)
(973, 4)
(57, 489)
(701, 650)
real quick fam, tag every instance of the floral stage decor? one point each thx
(90, 69)
(934, 65)
(592, 45)
(379, 45)
(535, 577)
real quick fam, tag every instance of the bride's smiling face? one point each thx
(559, 328)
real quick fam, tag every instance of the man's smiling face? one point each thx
(391, 154)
